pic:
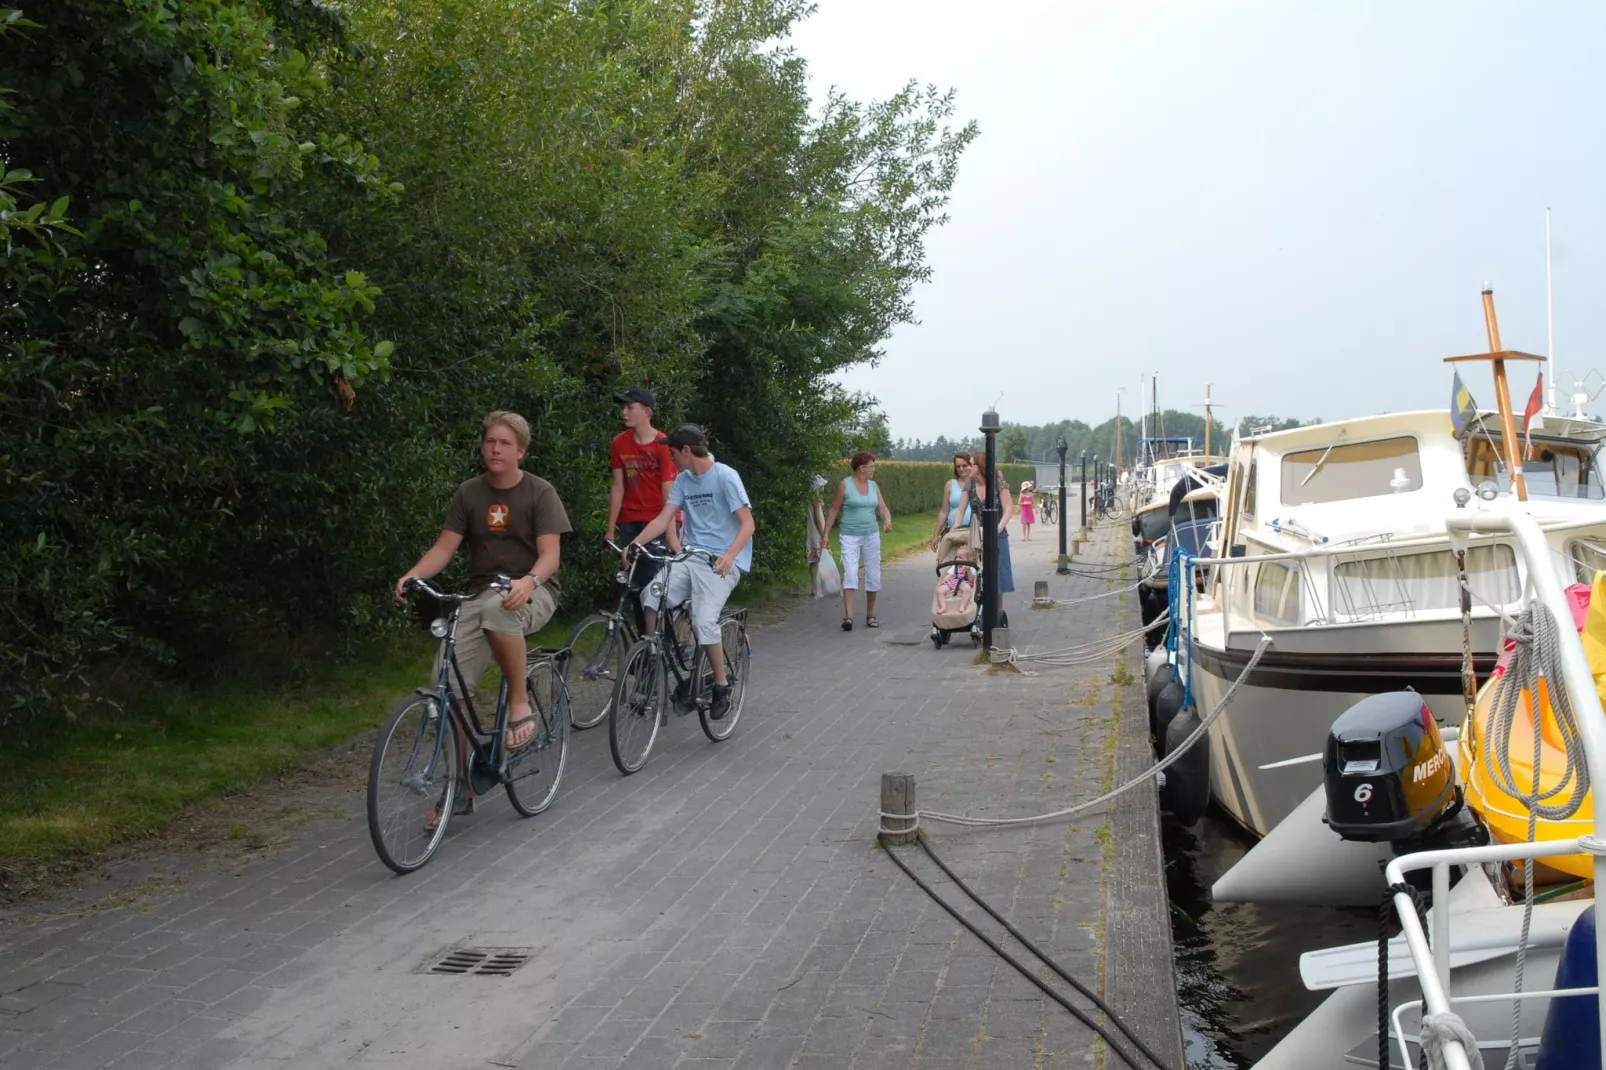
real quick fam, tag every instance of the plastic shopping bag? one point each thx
(829, 582)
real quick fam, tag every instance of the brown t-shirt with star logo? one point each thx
(499, 527)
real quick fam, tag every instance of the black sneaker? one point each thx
(722, 702)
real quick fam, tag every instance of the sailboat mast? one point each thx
(1502, 397)
(1550, 318)
(1207, 420)
(1118, 435)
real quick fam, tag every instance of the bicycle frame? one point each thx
(487, 747)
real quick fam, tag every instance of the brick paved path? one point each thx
(725, 907)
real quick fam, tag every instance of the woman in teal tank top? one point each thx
(858, 502)
(954, 512)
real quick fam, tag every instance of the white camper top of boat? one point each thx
(1396, 474)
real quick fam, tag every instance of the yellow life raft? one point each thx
(1505, 815)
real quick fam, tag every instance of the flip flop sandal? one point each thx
(847, 624)
(464, 807)
(512, 730)
(871, 622)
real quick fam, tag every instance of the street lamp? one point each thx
(990, 511)
(1083, 532)
(1064, 568)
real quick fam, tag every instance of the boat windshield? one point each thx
(1351, 470)
(1154, 522)
(1551, 469)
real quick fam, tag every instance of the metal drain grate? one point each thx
(485, 961)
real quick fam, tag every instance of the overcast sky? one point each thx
(1296, 201)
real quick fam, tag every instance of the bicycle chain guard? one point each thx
(482, 777)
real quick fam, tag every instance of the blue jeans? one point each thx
(1006, 574)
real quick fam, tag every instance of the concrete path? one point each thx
(725, 907)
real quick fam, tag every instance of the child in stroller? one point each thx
(954, 606)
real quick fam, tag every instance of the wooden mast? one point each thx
(1502, 391)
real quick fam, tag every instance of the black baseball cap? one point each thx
(639, 394)
(686, 435)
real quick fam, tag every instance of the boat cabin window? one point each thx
(1347, 470)
(1202, 509)
(1249, 490)
(1407, 582)
(1587, 558)
(1555, 470)
(1277, 593)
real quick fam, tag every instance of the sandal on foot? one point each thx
(871, 622)
(464, 807)
(847, 624)
(511, 732)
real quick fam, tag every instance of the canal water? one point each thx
(1238, 963)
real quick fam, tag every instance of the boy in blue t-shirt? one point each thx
(719, 519)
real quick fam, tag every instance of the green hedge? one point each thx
(916, 486)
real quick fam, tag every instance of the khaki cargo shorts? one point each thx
(484, 613)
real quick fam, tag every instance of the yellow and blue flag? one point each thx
(1463, 410)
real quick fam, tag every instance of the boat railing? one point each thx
(1365, 597)
(1431, 958)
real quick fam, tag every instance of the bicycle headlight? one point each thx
(623, 577)
(437, 627)
(656, 591)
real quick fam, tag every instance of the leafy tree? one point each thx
(203, 449)
(197, 307)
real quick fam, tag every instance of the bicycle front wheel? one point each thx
(638, 703)
(738, 667)
(412, 777)
(597, 649)
(535, 770)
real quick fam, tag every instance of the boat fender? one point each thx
(1154, 662)
(1571, 1040)
(1152, 604)
(1157, 681)
(1186, 791)
(1166, 704)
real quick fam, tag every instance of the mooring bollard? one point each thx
(898, 797)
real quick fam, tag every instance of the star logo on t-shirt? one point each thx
(496, 516)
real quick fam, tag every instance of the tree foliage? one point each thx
(292, 250)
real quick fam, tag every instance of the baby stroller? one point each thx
(956, 603)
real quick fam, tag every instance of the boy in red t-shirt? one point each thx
(642, 476)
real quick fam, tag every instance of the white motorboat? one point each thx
(1334, 546)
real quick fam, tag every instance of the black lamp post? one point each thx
(1084, 492)
(1065, 559)
(989, 531)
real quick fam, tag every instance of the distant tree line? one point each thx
(1027, 442)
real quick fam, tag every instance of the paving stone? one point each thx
(728, 891)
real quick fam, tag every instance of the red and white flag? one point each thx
(1530, 415)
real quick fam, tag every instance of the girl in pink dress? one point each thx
(1028, 516)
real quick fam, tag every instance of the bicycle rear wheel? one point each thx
(412, 774)
(638, 702)
(738, 667)
(535, 770)
(598, 647)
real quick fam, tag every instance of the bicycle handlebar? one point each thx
(665, 558)
(501, 583)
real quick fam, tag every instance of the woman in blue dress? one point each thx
(977, 491)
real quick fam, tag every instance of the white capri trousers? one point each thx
(707, 589)
(868, 549)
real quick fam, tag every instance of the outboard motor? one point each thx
(1389, 778)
